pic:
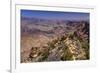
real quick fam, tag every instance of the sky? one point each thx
(55, 15)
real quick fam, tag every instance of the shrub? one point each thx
(66, 54)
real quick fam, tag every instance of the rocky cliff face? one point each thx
(47, 40)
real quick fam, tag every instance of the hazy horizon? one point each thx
(57, 15)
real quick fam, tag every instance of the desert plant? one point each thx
(67, 55)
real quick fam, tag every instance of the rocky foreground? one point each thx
(65, 48)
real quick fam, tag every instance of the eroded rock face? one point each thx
(68, 42)
(60, 49)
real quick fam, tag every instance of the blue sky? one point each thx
(55, 15)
